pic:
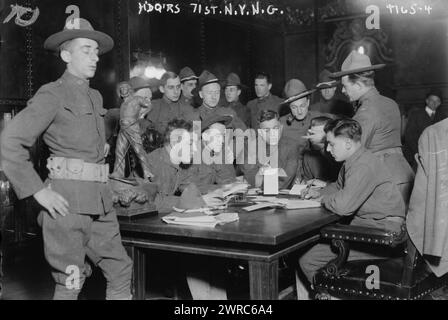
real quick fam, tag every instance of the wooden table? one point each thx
(259, 237)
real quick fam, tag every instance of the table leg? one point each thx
(263, 278)
(139, 272)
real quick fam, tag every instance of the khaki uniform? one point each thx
(298, 128)
(367, 192)
(69, 115)
(206, 112)
(163, 111)
(271, 102)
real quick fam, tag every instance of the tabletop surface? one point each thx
(267, 227)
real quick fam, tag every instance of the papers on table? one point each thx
(297, 189)
(200, 219)
(289, 204)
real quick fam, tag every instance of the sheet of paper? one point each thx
(262, 205)
(297, 189)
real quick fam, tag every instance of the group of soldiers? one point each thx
(354, 154)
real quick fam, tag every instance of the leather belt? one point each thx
(77, 169)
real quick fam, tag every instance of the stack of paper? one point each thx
(200, 219)
(289, 204)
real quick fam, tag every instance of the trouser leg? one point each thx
(105, 243)
(64, 242)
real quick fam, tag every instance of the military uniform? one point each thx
(206, 112)
(365, 190)
(287, 160)
(170, 178)
(271, 102)
(380, 121)
(241, 111)
(163, 111)
(298, 128)
(318, 164)
(70, 115)
(333, 106)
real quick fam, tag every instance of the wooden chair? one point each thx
(403, 277)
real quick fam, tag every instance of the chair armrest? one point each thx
(364, 234)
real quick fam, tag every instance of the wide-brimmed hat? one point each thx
(187, 74)
(295, 90)
(191, 198)
(356, 63)
(138, 83)
(234, 80)
(325, 81)
(105, 42)
(216, 118)
(207, 77)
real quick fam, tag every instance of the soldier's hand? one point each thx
(309, 193)
(317, 183)
(52, 201)
(106, 149)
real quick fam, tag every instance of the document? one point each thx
(200, 219)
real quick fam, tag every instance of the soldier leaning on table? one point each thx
(77, 215)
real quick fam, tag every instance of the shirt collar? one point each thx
(265, 97)
(429, 111)
(372, 92)
(74, 80)
(354, 157)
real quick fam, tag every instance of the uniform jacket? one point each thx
(206, 112)
(70, 115)
(298, 128)
(380, 121)
(241, 111)
(364, 189)
(427, 219)
(163, 111)
(271, 102)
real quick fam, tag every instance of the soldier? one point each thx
(232, 90)
(169, 107)
(363, 190)
(297, 122)
(188, 82)
(265, 99)
(77, 211)
(209, 89)
(379, 117)
(328, 101)
(135, 106)
(278, 148)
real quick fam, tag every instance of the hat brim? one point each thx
(105, 42)
(359, 70)
(220, 82)
(153, 85)
(241, 86)
(326, 85)
(189, 78)
(298, 96)
(224, 119)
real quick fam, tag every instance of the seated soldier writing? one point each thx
(317, 166)
(364, 190)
